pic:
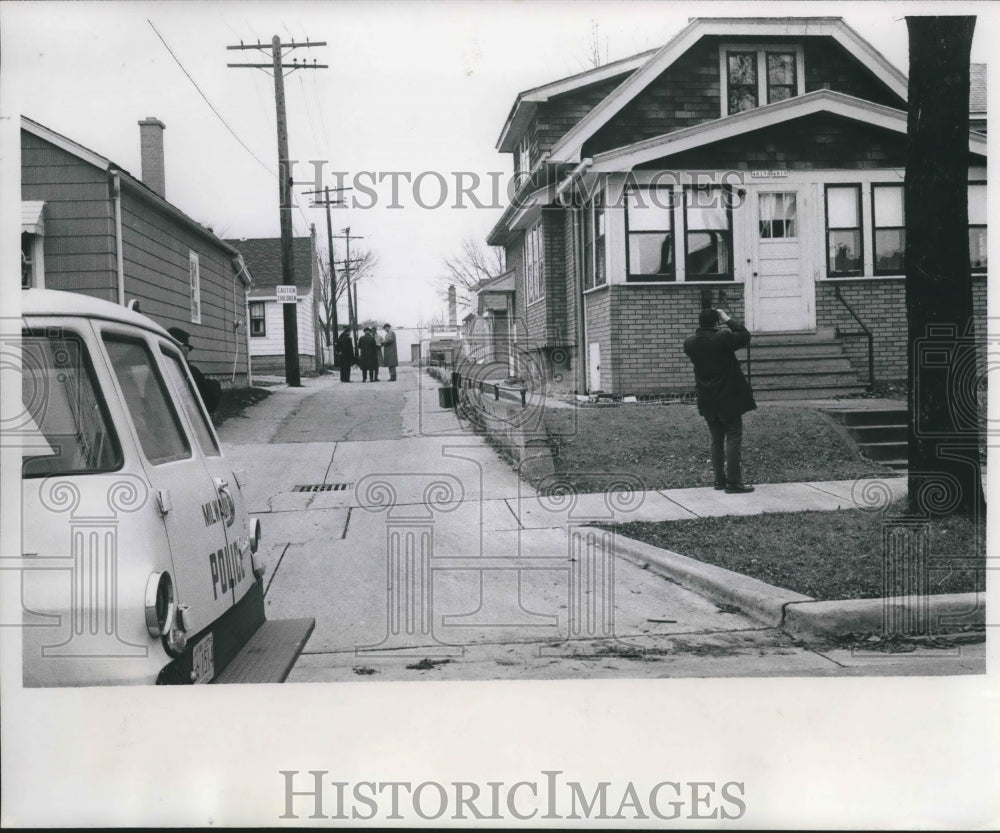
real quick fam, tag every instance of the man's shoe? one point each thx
(719, 487)
(738, 489)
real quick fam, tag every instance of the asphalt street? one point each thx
(421, 555)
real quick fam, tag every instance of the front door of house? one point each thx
(781, 291)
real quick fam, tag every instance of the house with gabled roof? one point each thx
(266, 312)
(754, 164)
(89, 226)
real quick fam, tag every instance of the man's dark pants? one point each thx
(727, 442)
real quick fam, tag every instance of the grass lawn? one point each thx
(826, 555)
(235, 400)
(667, 446)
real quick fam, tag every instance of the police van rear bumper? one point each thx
(248, 647)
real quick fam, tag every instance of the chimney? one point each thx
(151, 141)
(452, 307)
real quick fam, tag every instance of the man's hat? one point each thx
(368, 329)
(181, 335)
(386, 326)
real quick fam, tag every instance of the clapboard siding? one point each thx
(79, 224)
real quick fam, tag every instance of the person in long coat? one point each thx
(722, 391)
(368, 356)
(389, 356)
(345, 350)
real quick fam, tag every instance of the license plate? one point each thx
(203, 660)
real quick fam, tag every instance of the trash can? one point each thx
(446, 397)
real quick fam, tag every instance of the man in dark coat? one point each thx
(367, 356)
(345, 349)
(209, 389)
(723, 392)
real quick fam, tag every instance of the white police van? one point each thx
(140, 563)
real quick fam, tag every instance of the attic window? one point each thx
(756, 74)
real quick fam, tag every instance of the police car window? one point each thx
(185, 393)
(160, 433)
(65, 424)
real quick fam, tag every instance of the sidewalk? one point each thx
(501, 557)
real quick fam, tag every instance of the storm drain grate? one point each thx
(321, 487)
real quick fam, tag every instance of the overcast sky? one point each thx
(411, 87)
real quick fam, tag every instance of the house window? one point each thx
(595, 272)
(194, 271)
(258, 327)
(523, 157)
(534, 263)
(781, 82)
(757, 74)
(889, 229)
(27, 260)
(977, 226)
(843, 231)
(649, 224)
(708, 239)
(742, 74)
(778, 216)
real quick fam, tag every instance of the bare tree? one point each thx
(465, 271)
(944, 431)
(362, 266)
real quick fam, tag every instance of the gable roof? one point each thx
(818, 101)
(569, 147)
(977, 89)
(527, 102)
(137, 185)
(263, 257)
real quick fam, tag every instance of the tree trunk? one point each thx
(944, 471)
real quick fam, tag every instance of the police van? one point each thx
(140, 562)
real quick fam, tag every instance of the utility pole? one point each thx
(352, 304)
(289, 309)
(332, 312)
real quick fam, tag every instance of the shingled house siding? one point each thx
(829, 66)
(688, 92)
(79, 219)
(809, 143)
(559, 114)
(155, 251)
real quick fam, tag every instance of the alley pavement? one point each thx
(422, 555)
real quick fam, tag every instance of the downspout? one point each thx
(581, 313)
(116, 191)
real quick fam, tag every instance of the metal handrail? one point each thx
(865, 331)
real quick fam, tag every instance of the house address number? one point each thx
(768, 174)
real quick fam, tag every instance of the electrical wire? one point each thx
(209, 103)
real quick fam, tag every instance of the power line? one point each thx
(209, 103)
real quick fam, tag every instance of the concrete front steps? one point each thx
(879, 433)
(809, 365)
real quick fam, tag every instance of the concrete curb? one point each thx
(759, 600)
(800, 615)
(819, 620)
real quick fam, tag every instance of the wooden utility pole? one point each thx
(332, 312)
(289, 308)
(352, 303)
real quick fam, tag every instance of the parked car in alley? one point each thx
(140, 562)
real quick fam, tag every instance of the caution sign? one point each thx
(286, 294)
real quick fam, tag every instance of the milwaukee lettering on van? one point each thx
(226, 566)
(218, 510)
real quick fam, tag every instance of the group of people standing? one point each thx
(372, 352)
